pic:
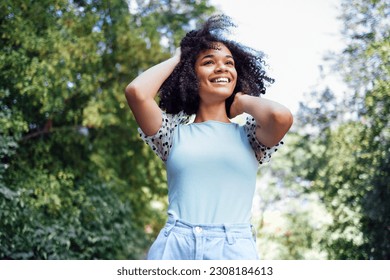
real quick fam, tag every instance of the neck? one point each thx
(212, 112)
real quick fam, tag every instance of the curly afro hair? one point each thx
(179, 92)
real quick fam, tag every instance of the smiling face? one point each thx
(216, 73)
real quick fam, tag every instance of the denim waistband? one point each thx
(230, 231)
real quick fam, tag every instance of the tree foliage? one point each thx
(344, 148)
(76, 181)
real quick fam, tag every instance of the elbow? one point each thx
(283, 118)
(279, 123)
(133, 93)
(130, 91)
(288, 120)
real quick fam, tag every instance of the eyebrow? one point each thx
(211, 56)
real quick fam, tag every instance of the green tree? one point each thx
(76, 181)
(343, 152)
(291, 220)
(366, 68)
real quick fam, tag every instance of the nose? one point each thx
(221, 67)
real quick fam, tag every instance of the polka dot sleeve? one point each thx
(161, 142)
(262, 152)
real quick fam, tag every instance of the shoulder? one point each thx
(161, 141)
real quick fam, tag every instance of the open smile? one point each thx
(220, 80)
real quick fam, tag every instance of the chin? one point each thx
(219, 93)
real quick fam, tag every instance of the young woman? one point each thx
(212, 162)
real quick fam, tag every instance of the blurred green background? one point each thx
(77, 182)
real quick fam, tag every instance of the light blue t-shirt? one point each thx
(211, 168)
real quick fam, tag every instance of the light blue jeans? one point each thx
(180, 240)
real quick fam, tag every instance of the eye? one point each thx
(230, 62)
(208, 62)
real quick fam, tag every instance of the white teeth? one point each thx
(220, 80)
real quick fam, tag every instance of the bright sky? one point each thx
(295, 34)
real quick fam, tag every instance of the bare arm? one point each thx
(273, 119)
(140, 94)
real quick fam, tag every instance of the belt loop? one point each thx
(229, 236)
(171, 223)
